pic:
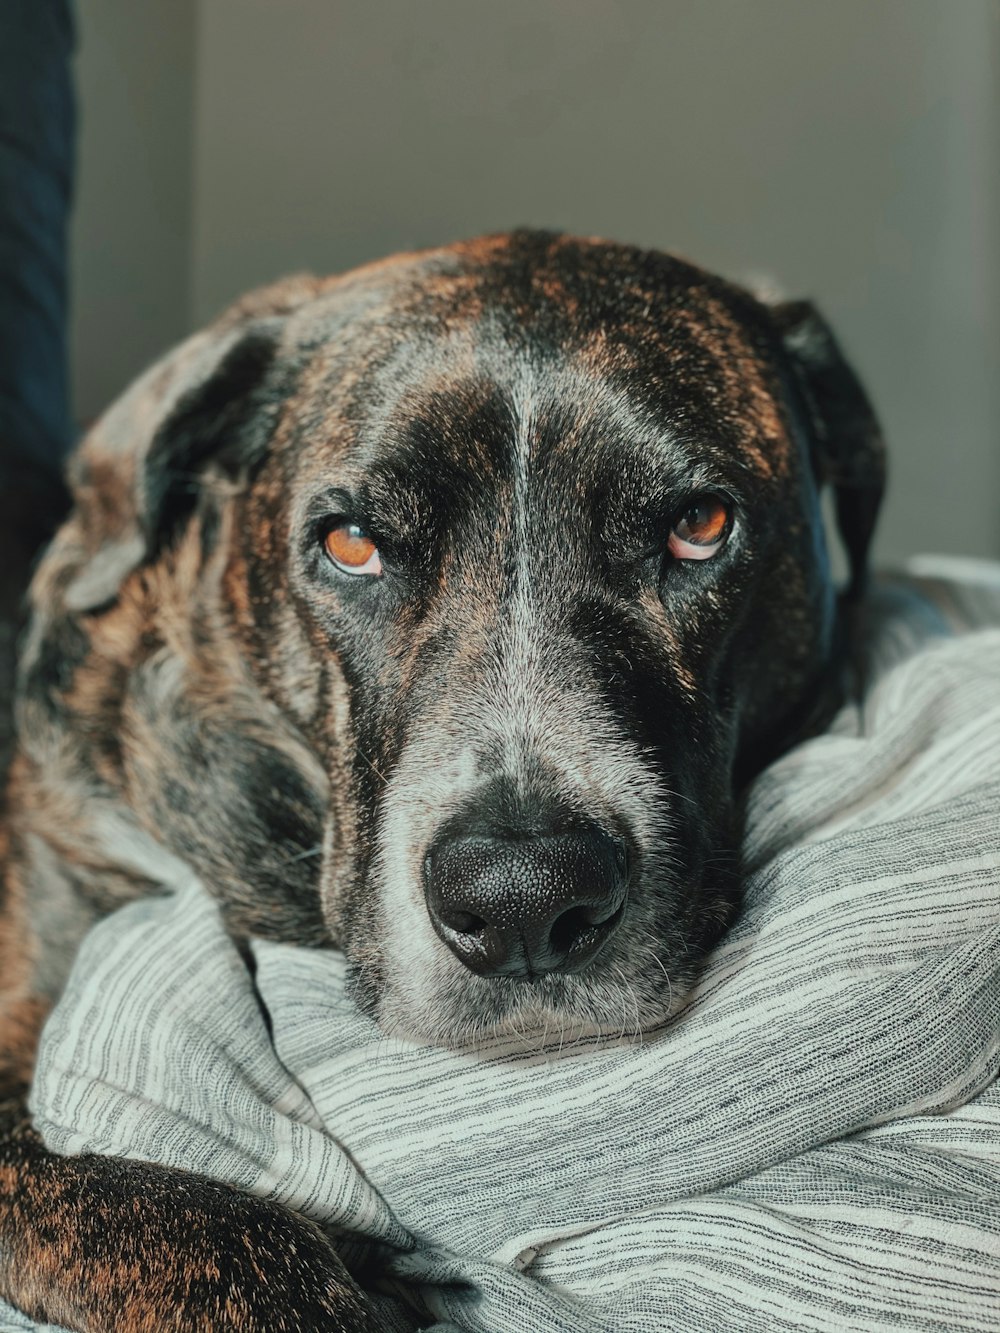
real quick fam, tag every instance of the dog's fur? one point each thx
(517, 421)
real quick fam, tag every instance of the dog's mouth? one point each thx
(620, 978)
(537, 1013)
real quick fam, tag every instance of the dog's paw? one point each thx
(103, 1245)
(251, 1267)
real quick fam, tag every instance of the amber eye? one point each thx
(700, 528)
(351, 549)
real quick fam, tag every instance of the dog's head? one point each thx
(441, 610)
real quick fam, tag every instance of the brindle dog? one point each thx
(437, 612)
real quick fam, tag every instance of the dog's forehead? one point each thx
(532, 341)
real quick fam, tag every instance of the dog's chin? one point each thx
(544, 1013)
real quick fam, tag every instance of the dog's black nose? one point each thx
(521, 906)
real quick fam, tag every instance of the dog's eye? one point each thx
(700, 528)
(351, 549)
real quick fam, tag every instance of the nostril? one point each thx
(568, 929)
(583, 927)
(465, 923)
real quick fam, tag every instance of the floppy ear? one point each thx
(136, 476)
(849, 449)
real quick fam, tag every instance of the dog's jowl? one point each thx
(438, 613)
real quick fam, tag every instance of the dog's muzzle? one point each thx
(521, 906)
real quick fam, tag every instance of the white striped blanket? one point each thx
(814, 1143)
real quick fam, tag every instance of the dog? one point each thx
(438, 612)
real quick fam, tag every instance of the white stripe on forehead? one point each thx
(523, 404)
(519, 713)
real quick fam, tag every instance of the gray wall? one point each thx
(845, 149)
(131, 241)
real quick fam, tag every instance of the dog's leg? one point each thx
(103, 1245)
(108, 1246)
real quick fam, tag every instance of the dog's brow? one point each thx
(397, 505)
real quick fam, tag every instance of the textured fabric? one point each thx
(814, 1143)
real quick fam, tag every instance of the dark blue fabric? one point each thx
(37, 136)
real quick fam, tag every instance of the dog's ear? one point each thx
(208, 405)
(849, 451)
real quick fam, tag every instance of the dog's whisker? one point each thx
(305, 856)
(374, 767)
(622, 996)
(655, 957)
